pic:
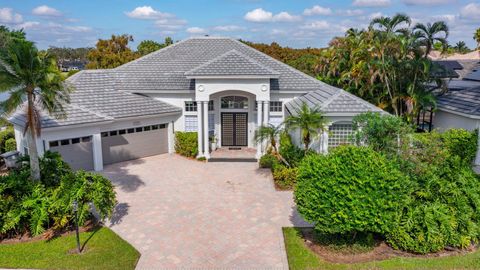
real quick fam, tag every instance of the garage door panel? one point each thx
(135, 145)
(78, 156)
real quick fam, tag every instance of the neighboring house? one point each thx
(218, 87)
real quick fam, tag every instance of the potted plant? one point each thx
(213, 142)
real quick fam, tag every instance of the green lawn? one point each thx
(103, 250)
(300, 257)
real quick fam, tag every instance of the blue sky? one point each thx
(298, 23)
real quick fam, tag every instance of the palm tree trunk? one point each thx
(32, 141)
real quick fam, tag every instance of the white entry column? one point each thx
(97, 152)
(199, 129)
(259, 124)
(206, 147)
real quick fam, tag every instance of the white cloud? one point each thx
(8, 16)
(261, 15)
(375, 15)
(148, 13)
(471, 11)
(46, 11)
(317, 10)
(350, 12)
(27, 25)
(196, 30)
(286, 17)
(427, 2)
(316, 25)
(371, 3)
(170, 24)
(228, 28)
(258, 15)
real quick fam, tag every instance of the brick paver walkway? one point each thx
(182, 213)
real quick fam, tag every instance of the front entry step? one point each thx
(232, 160)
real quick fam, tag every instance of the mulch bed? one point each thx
(48, 234)
(380, 252)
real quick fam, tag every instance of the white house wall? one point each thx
(179, 101)
(446, 120)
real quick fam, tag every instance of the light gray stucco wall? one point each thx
(443, 121)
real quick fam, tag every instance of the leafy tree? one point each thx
(351, 190)
(391, 24)
(268, 133)
(111, 53)
(148, 46)
(428, 34)
(7, 35)
(461, 47)
(168, 41)
(309, 121)
(476, 37)
(26, 73)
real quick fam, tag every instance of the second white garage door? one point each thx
(132, 143)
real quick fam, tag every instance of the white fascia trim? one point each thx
(162, 91)
(459, 113)
(148, 116)
(233, 77)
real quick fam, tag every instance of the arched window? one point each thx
(234, 102)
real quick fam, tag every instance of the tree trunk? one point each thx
(32, 141)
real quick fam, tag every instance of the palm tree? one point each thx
(270, 134)
(309, 121)
(430, 33)
(390, 25)
(461, 47)
(476, 37)
(34, 84)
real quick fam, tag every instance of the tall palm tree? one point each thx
(430, 33)
(309, 121)
(461, 47)
(390, 25)
(270, 134)
(34, 84)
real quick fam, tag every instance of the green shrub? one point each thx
(28, 206)
(186, 143)
(4, 136)
(462, 143)
(444, 205)
(284, 177)
(351, 190)
(267, 161)
(10, 145)
(291, 153)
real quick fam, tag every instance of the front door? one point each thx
(234, 129)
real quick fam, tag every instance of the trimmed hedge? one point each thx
(267, 161)
(462, 143)
(186, 143)
(351, 190)
(10, 145)
(284, 177)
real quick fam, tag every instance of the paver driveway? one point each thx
(182, 213)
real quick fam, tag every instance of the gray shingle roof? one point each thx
(232, 63)
(95, 99)
(165, 69)
(340, 102)
(465, 101)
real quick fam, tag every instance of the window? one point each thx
(210, 105)
(190, 106)
(276, 106)
(75, 140)
(340, 134)
(53, 143)
(154, 127)
(113, 133)
(122, 131)
(211, 124)
(104, 134)
(138, 129)
(191, 123)
(130, 130)
(163, 125)
(86, 139)
(65, 142)
(234, 102)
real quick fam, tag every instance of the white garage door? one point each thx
(132, 143)
(77, 152)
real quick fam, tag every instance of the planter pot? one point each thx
(213, 146)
